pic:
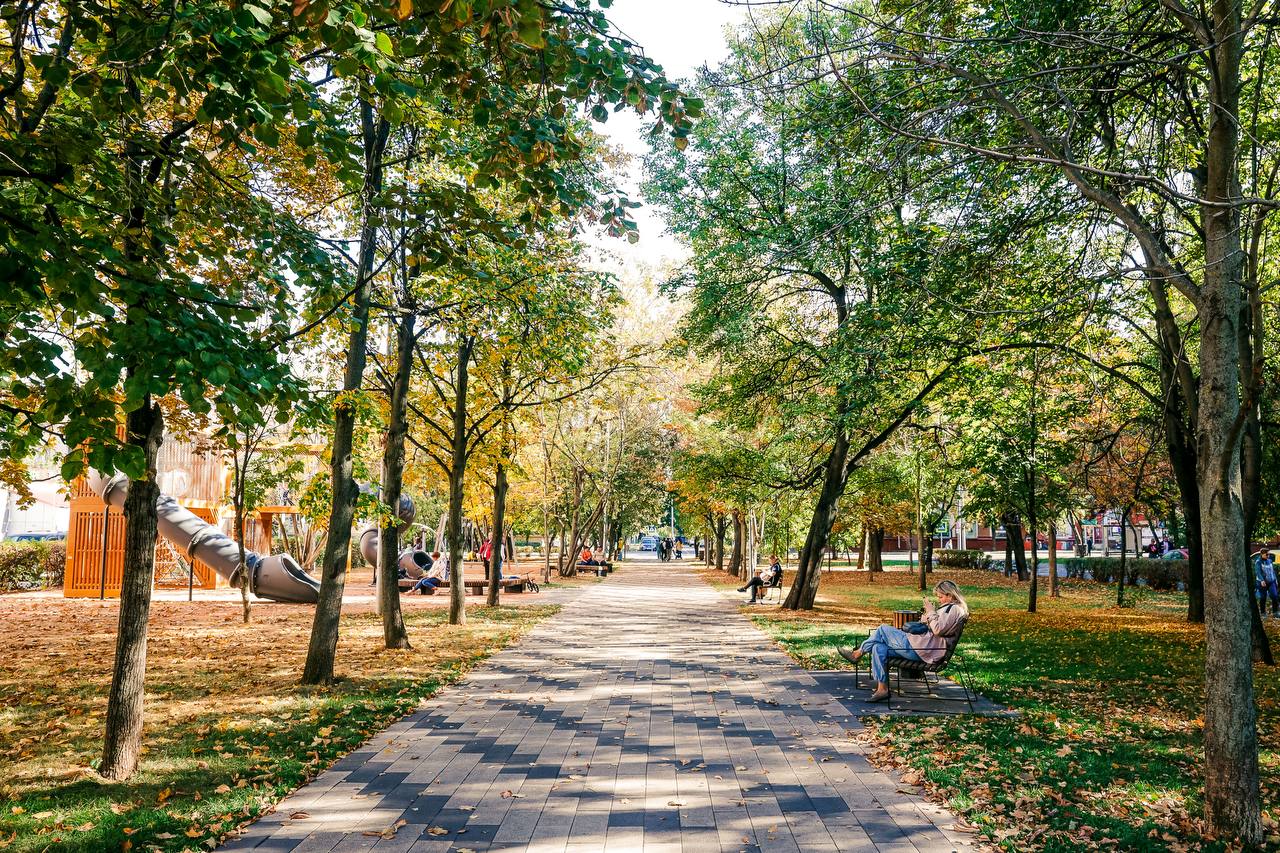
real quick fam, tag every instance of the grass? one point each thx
(229, 730)
(1106, 750)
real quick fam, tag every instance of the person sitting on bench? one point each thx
(437, 573)
(764, 579)
(943, 624)
(589, 560)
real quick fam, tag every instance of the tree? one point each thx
(1172, 161)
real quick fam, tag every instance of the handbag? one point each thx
(916, 628)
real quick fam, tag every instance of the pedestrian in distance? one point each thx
(1264, 572)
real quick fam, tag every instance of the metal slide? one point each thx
(277, 578)
(414, 562)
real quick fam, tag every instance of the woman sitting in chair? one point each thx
(942, 627)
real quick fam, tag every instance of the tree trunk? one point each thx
(1180, 405)
(499, 522)
(569, 567)
(323, 648)
(875, 550)
(1124, 552)
(240, 471)
(863, 541)
(804, 589)
(1053, 560)
(1033, 591)
(394, 633)
(926, 556)
(122, 738)
(1013, 534)
(457, 477)
(722, 526)
(1232, 803)
(736, 559)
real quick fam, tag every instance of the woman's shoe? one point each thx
(851, 655)
(878, 697)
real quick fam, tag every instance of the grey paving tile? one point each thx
(647, 715)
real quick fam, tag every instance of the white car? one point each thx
(649, 543)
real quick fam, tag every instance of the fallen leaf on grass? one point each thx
(222, 789)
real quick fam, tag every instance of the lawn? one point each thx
(1105, 753)
(229, 731)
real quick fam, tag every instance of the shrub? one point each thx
(1162, 574)
(28, 565)
(1101, 569)
(949, 558)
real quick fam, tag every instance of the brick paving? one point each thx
(648, 715)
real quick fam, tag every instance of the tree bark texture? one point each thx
(722, 526)
(736, 561)
(1053, 560)
(122, 739)
(804, 589)
(1014, 535)
(457, 477)
(875, 550)
(1232, 800)
(394, 633)
(323, 648)
(499, 526)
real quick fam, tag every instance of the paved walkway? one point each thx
(648, 715)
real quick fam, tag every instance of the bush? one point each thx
(1156, 574)
(949, 558)
(1162, 574)
(1101, 569)
(31, 565)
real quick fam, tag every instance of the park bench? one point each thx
(598, 571)
(478, 586)
(915, 670)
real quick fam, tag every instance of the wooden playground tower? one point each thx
(95, 536)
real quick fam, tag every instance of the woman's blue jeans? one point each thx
(425, 584)
(883, 642)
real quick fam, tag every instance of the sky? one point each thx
(681, 35)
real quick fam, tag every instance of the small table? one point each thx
(902, 617)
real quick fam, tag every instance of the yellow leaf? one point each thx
(404, 9)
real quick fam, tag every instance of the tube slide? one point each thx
(277, 578)
(412, 561)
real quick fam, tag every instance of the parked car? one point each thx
(1176, 554)
(37, 537)
(649, 543)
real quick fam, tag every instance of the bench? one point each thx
(915, 670)
(478, 586)
(598, 571)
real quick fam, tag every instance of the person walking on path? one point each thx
(1264, 572)
(941, 630)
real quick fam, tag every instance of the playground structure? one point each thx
(191, 550)
(413, 561)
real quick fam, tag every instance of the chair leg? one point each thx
(962, 678)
